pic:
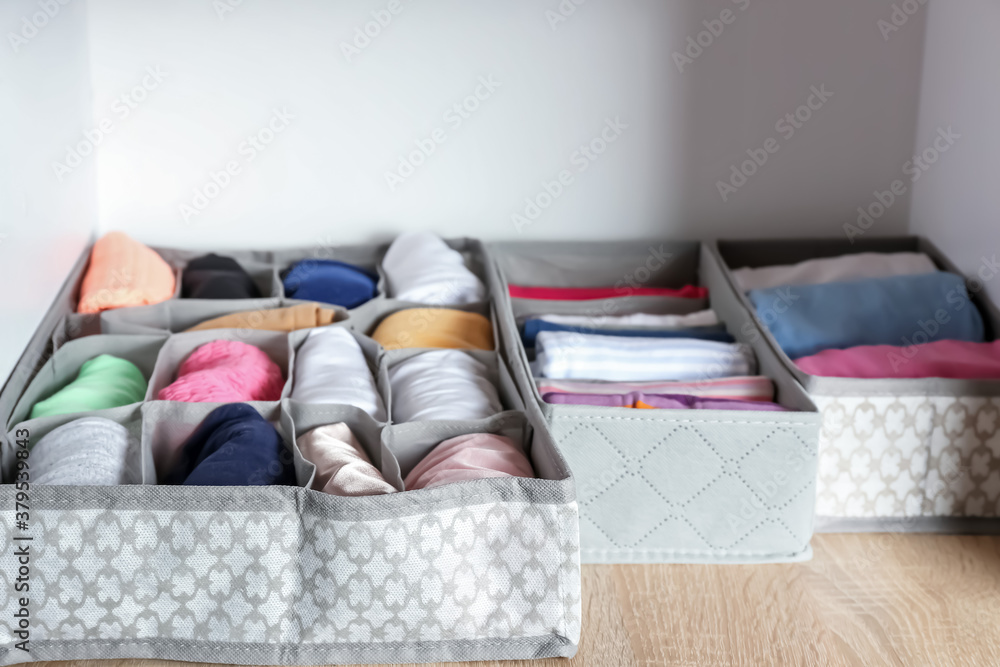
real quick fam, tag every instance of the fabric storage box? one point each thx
(669, 485)
(895, 454)
(480, 570)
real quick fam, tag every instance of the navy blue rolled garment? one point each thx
(716, 332)
(234, 446)
(900, 310)
(330, 281)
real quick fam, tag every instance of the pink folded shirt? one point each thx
(640, 400)
(468, 457)
(742, 388)
(586, 293)
(941, 359)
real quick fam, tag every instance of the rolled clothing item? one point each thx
(342, 467)
(233, 446)
(330, 281)
(589, 293)
(90, 451)
(103, 382)
(882, 311)
(123, 272)
(292, 318)
(747, 388)
(213, 276)
(573, 356)
(330, 368)
(443, 384)
(420, 267)
(659, 402)
(702, 318)
(434, 327)
(534, 327)
(858, 266)
(225, 371)
(469, 457)
(940, 359)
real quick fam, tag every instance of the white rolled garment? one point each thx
(443, 384)
(702, 318)
(835, 269)
(420, 267)
(90, 451)
(342, 466)
(330, 368)
(574, 356)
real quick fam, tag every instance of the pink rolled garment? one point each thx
(342, 467)
(468, 457)
(225, 371)
(941, 359)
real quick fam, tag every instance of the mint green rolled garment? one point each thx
(103, 382)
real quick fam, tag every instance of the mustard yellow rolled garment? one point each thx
(293, 318)
(435, 327)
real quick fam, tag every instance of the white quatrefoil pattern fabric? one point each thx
(478, 581)
(917, 456)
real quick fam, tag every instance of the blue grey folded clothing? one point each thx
(899, 310)
(90, 451)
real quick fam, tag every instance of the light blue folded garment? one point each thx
(899, 310)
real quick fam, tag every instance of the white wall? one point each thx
(322, 179)
(45, 222)
(957, 202)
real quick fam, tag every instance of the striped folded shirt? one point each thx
(576, 356)
(702, 318)
(743, 388)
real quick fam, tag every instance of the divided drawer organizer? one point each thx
(894, 454)
(479, 570)
(726, 486)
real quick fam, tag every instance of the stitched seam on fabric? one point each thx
(777, 424)
(653, 550)
(601, 530)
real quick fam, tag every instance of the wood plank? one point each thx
(872, 599)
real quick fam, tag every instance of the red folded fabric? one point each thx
(585, 293)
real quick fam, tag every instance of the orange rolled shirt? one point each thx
(122, 273)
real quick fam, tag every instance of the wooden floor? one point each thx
(888, 599)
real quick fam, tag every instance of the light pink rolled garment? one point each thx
(468, 457)
(342, 467)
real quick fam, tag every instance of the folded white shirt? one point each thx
(443, 384)
(330, 368)
(575, 356)
(90, 451)
(421, 268)
(702, 318)
(835, 269)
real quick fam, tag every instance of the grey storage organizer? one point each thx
(481, 570)
(894, 454)
(703, 486)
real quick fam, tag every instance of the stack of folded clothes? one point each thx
(873, 315)
(640, 360)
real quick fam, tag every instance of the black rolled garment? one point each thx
(213, 276)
